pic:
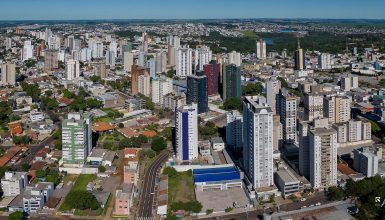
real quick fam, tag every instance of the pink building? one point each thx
(123, 200)
(131, 173)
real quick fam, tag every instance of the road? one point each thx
(146, 199)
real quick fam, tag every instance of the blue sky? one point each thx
(180, 9)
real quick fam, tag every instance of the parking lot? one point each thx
(219, 200)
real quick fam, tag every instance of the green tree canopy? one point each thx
(158, 144)
(82, 200)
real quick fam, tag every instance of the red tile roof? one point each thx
(103, 126)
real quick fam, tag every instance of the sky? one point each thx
(189, 9)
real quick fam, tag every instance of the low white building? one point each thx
(14, 183)
(34, 198)
(217, 143)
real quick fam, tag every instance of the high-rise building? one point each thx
(324, 61)
(151, 64)
(174, 100)
(186, 132)
(160, 87)
(27, 51)
(273, 85)
(51, 60)
(349, 82)
(110, 59)
(197, 92)
(183, 62)
(212, 72)
(260, 49)
(235, 58)
(8, 43)
(142, 59)
(258, 142)
(299, 58)
(144, 85)
(144, 42)
(170, 55)
(161, 62)
(85, 54)
(323, 157)
(234, 126)
(203, 55)
(365, 162)
(72, 69)
(114, 48)
(8, 73)
(76, 138)
(97, 48)
(287, 109)
(173, 41)
(128, 60)
(337, 108)
(136, 71)
(101, 70)
(231, 82)
(313, 106)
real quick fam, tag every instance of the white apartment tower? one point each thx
(203, 55)
(27, 51)
(144, 85)
(260, 49)
(272, 89)
(183, 62)
(323, 157)
(73, 69)
(8, 74)
(324, 61)
(160, 87)
(258, 142)
(287, 109)
(186, 132)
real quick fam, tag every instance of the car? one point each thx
(303, 199)
(352, 210)
(318, 203)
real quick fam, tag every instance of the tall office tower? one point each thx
(128, 61)
(299, 58)
(48, 34)
(97, 49)
(142, 59)
(313, 106)
(114, 48)
(8, 73)
(234, 126)
(365, 162)
(76, 138)
(349, 82)
(173, 41)
(272, 89)
(145, 42)
(203, 55)
(234, 58)
(27, 51)
(110, 59)
(260, 49)
(287, 109)
(197, 92)
(186, 132)
(85, 54)
(183, 62)
(151, 64)
(231, 86)
(51, 60)
(8, 43)
(212, 72)
(323, 157)
(160, 87)
(100, 69)
(170, 55)
(72, 69)
(337, 108)
(144, 85)
(137, 71)
(161, 62)
(258, 142)
(324, 61)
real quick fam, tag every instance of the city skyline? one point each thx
(200, 9)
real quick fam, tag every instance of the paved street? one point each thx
(146, 199)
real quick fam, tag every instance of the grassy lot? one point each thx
(113, 137)
(181, 187)
(80, 184)
(248, 33)
(104, 119)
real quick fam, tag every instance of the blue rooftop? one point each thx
(216, 174)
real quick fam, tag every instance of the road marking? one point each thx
(145, 218)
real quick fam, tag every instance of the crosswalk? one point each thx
(145, 218)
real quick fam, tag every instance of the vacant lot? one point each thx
(181, 187)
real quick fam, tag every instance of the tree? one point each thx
(67, 94)
(252, 89)
(25, 167)
(16, 216)
(194, 206)
(121, 125)
(335, 193)
(20, 139)
(375, 127)
(101, 169)
(158, 144)
(229, 209)
(209, 211)
(170, 171)
(81, 199)
(233, 103)
(167, 133)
